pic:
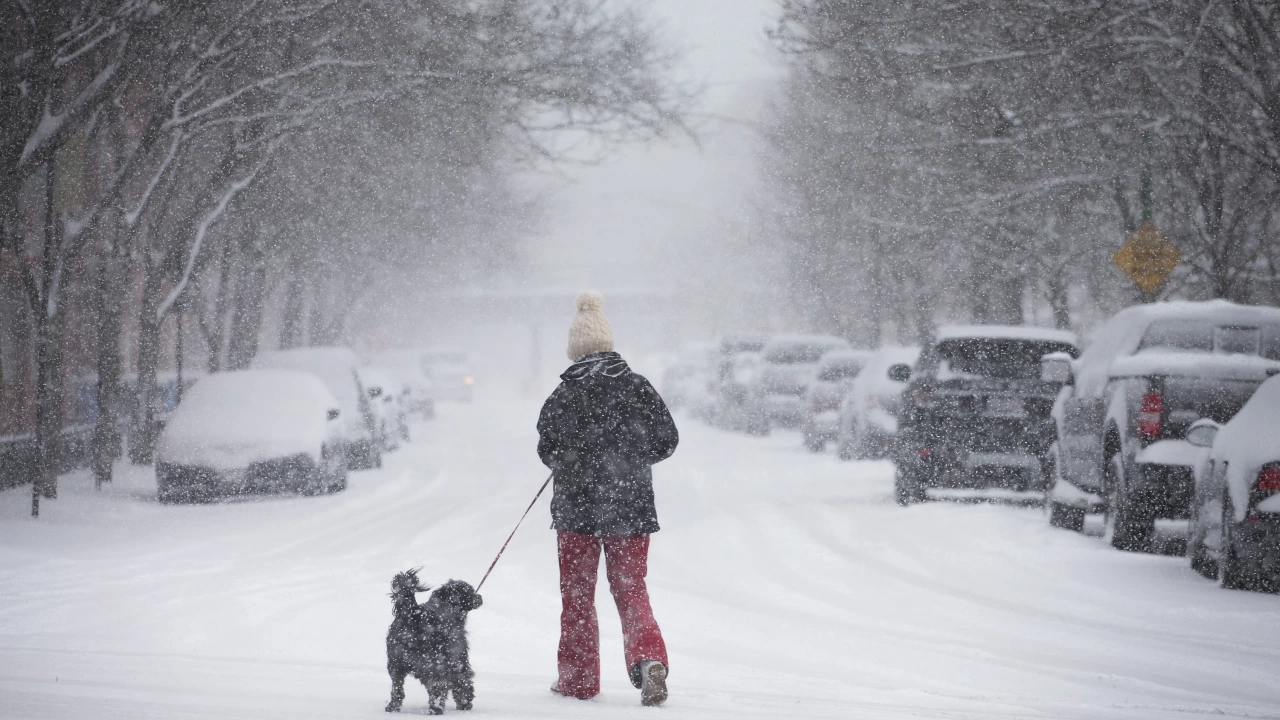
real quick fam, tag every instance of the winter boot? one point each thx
(653, 683)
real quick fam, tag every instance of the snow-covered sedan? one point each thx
(790, 362)
(869, 412)
(830, 384)
(336, 367)
(252, 430)
(1234, 531)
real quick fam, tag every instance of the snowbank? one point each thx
(229, 420)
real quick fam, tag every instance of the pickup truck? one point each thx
(1122, 416)
(975, 412)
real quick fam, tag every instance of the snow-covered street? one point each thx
(787, 584)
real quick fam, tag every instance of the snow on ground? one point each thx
(787, 584)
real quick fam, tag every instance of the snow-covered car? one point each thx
(384, 391)
(790, 362)
(736, 408)
(252, 431)
(1150, 372)
(417, 394)
(686, 382)
(831, 382)
(1234, 531)
(336, 367)
(869, 412)
(721, 372)
(450, 373)
(976, 412)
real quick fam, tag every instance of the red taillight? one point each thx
(1149, 411)
(1269, 479)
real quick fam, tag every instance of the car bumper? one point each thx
(976, 454)
(1257, 542)
(825, 424)
(289, 473)
(785, 409)
(1165, 491)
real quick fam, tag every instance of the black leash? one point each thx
(513, 531)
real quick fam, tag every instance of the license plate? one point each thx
(1005, 407)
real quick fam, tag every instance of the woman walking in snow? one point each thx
(600, 432)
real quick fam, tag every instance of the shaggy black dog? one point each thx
(429, 641)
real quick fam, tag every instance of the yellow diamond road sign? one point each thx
(1147, 257)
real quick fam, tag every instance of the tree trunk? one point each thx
(142, 433)
(246, 318)
(49, 388)
(106, 433)
(291, 320)
(1058, 301)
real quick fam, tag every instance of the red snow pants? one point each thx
(626, 560)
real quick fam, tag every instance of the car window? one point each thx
(1193, 335)
(1004, 359)
(796, 354)
(1206, 336)
(840, 371)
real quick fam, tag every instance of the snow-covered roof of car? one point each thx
(1007, 332)
(334, 365)
(1217, 310)
(836, 357)
(231, 419)
(1194, 364)
(807, 340)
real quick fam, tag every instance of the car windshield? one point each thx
(843, 370)
(733, 347)
(446, 358)
(796, 354)
(1003, 359)
(1206, 336)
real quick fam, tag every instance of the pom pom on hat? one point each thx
(590, 331)
(590, 300)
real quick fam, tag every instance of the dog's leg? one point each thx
(438, 690)
(397, 674)
(464, 691)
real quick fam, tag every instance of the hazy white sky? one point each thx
(652, 212)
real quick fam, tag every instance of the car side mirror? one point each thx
(1056, 368)
(334, 413)
(1203, 432)
(375, 392)
(900, 372)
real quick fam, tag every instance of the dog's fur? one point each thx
(429, 641)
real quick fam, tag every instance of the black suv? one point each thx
(976, 411)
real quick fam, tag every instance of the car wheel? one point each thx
(1127, 528)
(1196, 555)
(1232, 575)
(812, 442)
(907, 488)
(1060, 515)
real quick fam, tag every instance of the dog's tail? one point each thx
(404, 589)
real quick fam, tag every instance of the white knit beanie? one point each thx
(590, 331)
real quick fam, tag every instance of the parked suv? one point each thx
(1151, 372)
(976, 412)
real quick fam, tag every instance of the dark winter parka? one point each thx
(600, 432)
